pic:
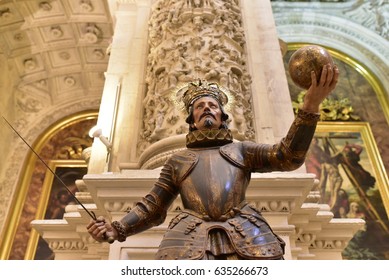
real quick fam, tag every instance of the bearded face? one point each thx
(207, 113)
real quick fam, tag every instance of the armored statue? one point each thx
(212, 175)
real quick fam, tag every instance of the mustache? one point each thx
(205, 114)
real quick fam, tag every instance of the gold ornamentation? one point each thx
(73, 148)
(331, 109)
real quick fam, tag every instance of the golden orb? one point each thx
(307, 59)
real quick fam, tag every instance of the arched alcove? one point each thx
(64, 140)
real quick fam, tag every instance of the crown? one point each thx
(196, 90)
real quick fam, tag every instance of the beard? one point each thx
(208, 122)
(209, 119)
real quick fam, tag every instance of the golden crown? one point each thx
(196, 90)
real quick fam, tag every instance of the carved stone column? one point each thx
(190, 40)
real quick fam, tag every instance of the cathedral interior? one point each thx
(70, 66)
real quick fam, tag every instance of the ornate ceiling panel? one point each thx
(57, 48)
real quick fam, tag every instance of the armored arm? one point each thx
(151, 210)
(289, 154)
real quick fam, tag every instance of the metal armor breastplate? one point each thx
(214, 186)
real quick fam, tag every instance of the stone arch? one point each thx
(15, 171)
(355, 40)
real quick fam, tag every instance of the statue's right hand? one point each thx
(101, 230)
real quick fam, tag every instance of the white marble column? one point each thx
(271, 97)
(121, 105)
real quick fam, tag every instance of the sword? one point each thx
(90, 213)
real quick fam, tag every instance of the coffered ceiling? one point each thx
(53, 51)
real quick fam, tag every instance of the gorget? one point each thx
(208, 138)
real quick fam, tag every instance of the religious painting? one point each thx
(57, 193)
(353, 182)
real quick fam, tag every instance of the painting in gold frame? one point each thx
(354, 183)
(54, 198)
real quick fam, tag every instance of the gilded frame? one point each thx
(50, 185)
(21, 189)
(349, 175)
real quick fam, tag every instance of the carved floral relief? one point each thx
(190, 40)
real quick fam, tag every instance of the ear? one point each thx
(192, 127)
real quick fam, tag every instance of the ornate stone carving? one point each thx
(371, 14)
(29, 64)
(5, 13)
(56, 31)
(328, 244)
(98, 54)
(273, 206)
(67, 245)
(92, 33)
(28, 104)
(69, 81)
(18, 37)
(64, 55)
(45, 6)
(189, 40)
(86, 6)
